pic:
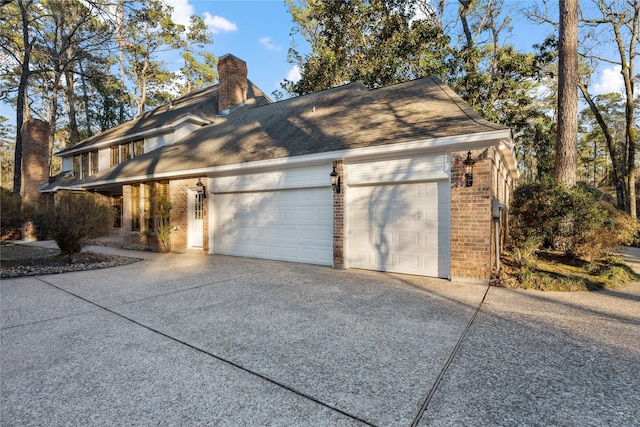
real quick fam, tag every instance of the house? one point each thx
(406, 178)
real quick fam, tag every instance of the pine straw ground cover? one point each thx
(553, 271)
(21, 260)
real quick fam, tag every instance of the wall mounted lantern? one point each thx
(468, 170)
(335, 180)
(201, 188)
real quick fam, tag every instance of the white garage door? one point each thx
(289, 225)
(401, 228)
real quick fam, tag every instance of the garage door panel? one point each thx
(290, 225)
(400, 227)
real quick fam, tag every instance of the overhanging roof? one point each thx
(331, 123)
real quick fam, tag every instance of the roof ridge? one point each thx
(465, 107)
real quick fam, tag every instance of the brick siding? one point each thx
(338, 219)
(472, 224)
(35, 160)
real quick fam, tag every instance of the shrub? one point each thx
(617, 228)
(13, 214)
(574, 220)
(42, 225)
(78, 217)
(11, 209)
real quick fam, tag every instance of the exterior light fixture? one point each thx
(201, 188)
(335, 180)
(468, 170)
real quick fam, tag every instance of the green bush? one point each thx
(42, 225)
(78, 217)
(10, 209)
(13, 214)
(574, 220)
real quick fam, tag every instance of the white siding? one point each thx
(316, 176)
(399, 170)
(67, 163)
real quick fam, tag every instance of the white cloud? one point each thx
(218, 24)
(610, 81)
(294, 74)
(266, 42)
(182, 11)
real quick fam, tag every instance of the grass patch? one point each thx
(551, 271)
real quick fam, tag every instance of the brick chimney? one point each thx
(35, 159)
(232, 86)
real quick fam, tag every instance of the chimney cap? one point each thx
(230, 55)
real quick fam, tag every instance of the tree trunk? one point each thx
(121, 46)
(464, 9)
(567, 135)
(617, 172)
(87, 104)
(21, 101)
(74, 134)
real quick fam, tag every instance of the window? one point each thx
(95, 163)
(116, 202)
(138, 148)
(198, 211)
(136, 220)
(125, 152)
(76, 166)
(85, 165)
(148, 207)
(115, 155)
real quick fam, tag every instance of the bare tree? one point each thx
(621, 20)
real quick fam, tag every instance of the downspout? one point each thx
(497, 227)
(496, 207)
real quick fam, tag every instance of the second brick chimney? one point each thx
(232, 86)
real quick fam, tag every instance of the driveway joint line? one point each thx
(177, 291)
(452, 356)
(219, 358)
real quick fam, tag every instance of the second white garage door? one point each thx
(289, 225)
(400, 228)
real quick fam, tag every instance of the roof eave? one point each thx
(497, 138)
(144, 134)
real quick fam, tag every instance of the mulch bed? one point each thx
(22, 260)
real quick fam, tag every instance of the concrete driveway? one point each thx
(215, 340)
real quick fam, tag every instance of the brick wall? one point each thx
(471, 217)
(338, 219)
(472, 224)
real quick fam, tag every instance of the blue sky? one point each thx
(256, 31)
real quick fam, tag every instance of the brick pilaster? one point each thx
(471, 221)
(338, 219)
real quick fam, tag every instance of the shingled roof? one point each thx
(344, 118)
(202, 104)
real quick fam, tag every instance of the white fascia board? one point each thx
(450, 143)
(60, 188)
(171, 127)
